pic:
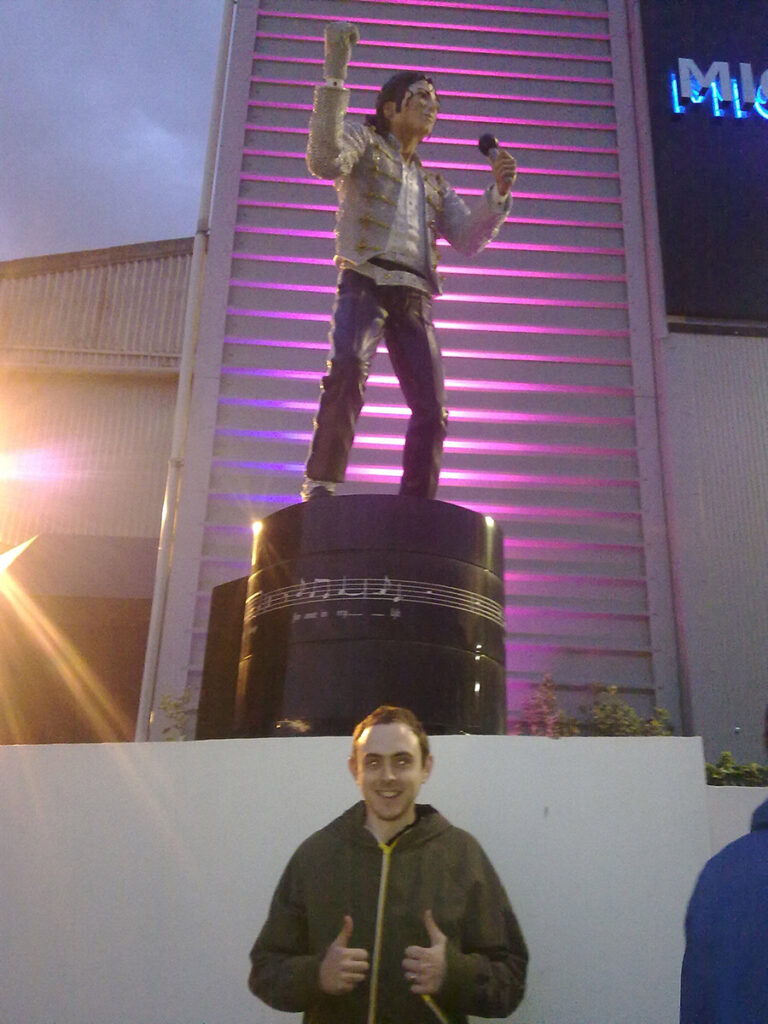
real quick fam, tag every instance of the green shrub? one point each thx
(725, 772)
(611, 716)
(607, 715)
(541, 715)
(177, 713)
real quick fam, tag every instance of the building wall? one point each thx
(552, 412)
(716, 436)
(710, 383)
(89, 453)
(89, 350)
(557, 351)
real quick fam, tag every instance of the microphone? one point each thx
(489, 146)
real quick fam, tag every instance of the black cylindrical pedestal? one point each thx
(364, 600)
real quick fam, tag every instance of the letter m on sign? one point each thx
(693, 83)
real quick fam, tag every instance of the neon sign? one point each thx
(738, 94)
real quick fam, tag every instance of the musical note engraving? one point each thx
(370, 592)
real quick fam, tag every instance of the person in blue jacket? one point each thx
(725, 968)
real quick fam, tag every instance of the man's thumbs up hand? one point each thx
(342, 967)
(424, 966)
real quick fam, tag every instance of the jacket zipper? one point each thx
(386, 853)
(436, 1009)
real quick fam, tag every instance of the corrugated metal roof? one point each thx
(107, 309)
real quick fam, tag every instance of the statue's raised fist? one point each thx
(340, 37)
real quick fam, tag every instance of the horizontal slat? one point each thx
(509, 21)
(276, 114)
(457, 47)
(589, 159)
(581, 16)
(536, 259)
(562, 99)
(460, 280)
(560, 226)
(258, 414)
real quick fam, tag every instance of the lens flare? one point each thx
(27, 633)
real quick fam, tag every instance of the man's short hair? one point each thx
(393, 91)
(385, 715)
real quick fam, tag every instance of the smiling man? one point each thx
(390, 915)
(391, 212)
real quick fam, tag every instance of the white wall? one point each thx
(135, 877)
(730, 812)
(717, 438)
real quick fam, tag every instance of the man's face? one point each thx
(387, 767)
(418, 111)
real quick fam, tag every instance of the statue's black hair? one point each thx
(393, 90)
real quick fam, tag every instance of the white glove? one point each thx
(340, 36)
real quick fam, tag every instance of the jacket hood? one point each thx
(760, 817)
(350, 826)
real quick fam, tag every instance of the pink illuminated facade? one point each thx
(546, 347)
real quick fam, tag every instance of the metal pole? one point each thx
(184, 394)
